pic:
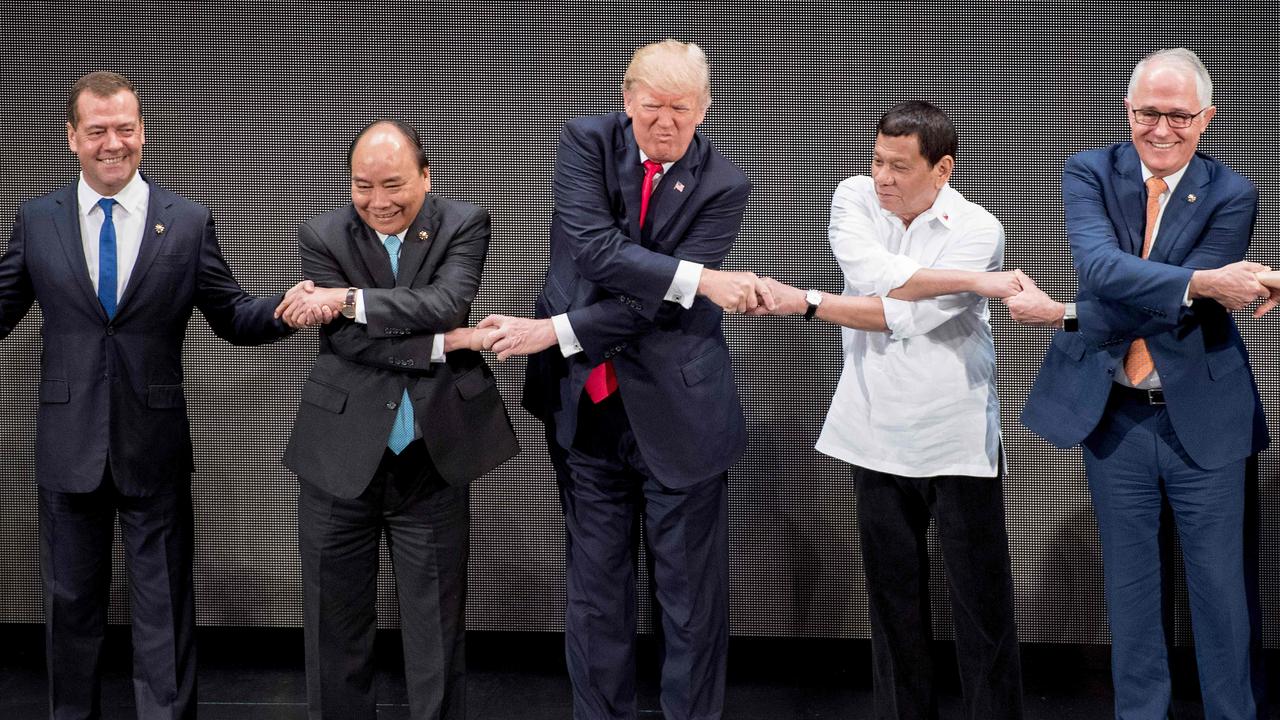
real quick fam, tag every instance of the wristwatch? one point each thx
(1069, 321)
(814, 298)
(349, 305)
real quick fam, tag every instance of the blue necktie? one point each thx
(107, 259)
(402, 430)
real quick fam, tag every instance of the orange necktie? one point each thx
(1137, 362)
(602, 381)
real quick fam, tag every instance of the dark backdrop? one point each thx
(249, 109)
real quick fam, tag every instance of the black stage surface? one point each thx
(256, 674)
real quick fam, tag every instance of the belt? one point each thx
(1153, 396)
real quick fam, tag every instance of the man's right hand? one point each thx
(1233, 286)
(735, 292)
(997, 284)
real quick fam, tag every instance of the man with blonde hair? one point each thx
(631, 375)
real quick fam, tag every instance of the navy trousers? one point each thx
(1134, 463)
(605, 488)
(76, 532)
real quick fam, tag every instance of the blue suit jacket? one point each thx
(610, 276)
(1204, 368)
(111, 390)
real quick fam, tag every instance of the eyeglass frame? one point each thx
(1168, 117)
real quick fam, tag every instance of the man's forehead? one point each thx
(1168, 83)
(904, 147)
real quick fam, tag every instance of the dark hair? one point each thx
(420, 154)
(930, 125)
(103, 84)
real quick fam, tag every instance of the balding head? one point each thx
(390, 176)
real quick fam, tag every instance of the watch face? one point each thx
(813, 297)
(348, 311)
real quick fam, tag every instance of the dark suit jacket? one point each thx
(112, 389)
(349, 401)
(1204, 368)
(672, 364)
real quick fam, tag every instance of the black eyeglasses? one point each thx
(1147, 116)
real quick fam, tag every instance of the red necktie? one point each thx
(1137, 362)
(602, 381)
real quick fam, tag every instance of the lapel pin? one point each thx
(1191, 197)
(679, 186)
(159, 228)
(422, 235)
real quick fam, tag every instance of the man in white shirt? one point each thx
(916, 412)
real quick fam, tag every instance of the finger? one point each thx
(749, 299)
(1252, 266)
(492, 321)
(307, 286)
(1266, 307)
(766, 296)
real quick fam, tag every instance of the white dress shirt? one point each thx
(1152, 381)
(918, 400)
(437, 341)
(129, 215)
(683, 289)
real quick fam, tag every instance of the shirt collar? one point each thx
(1171, 179)
(942, 209)
(132, 197)
(644, 157)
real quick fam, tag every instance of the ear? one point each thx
(71, 137)
(142, 131)
(1209, 112)
(942, 170)
(626, 102)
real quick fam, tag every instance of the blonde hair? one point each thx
(670, 66)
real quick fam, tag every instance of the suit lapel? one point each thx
(1131, 195)
(630, 175)
(66, 221)
(371, 251)
(675, 188)
(159, 220)
(418, 241)
(1179, 209)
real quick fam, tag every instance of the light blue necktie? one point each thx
(402, 430)
(107, 259)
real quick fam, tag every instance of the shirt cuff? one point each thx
(437, 348)
(898, 270)
(360, 316)
(897, 316)
(568, 340)
(1186, 295)
(684, 286)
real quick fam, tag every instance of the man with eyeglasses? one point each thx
(1151, 378)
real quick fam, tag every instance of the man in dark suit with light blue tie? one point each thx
(398, 415)
(117, 264)
(632, 377)
(1152, 379)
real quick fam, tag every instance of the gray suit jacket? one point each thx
(351, 397)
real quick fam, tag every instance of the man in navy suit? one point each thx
(1151, 378)
(632, 378)
(117, 264)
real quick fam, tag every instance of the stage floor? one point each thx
(257, 674)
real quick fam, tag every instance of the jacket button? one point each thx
(391, 405)
(111, 330)
(407, 363)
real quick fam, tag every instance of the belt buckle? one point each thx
(1155, 396)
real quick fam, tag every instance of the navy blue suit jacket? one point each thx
(111, 390)
(1204, 368)
(610, 276)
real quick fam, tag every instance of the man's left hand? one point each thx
(1032, 306)
(306, 305)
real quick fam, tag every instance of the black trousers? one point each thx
(76, 532)
(605, 489)
(893, 519)
(426, 524)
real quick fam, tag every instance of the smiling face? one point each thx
(107, 138)
(1166, 88)
(664, 121)
(906, 182)
(387, 186)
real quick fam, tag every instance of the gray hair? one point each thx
(670, 66)
(1184, 59)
